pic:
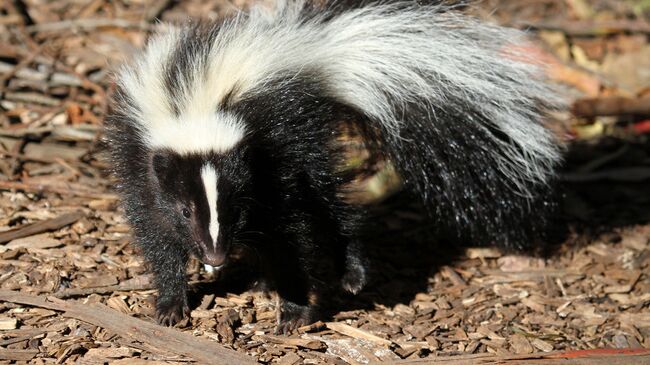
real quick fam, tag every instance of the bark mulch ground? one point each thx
(73, 288)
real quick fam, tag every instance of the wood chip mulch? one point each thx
(73, 288)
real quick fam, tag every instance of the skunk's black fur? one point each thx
(223, 134)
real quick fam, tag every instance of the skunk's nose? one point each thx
(213, 258)
(210, 255)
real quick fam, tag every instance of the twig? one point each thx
(85, 24)
(589, 28)
(83, 132)
(21, 65)
(580, 357)
(593, 165)
(88, 84)
(56, 78)
(24, 157)
(66, 165)
(143, 283)
(22, 132)
(14, 148)
(136, 284)
(42, 226)
(89, 9)
(63, 190)
(167, 339)
(31, 97)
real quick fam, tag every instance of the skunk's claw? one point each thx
(288, 326)
(171, 312)
(292, 316)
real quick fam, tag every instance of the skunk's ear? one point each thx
(164, 166)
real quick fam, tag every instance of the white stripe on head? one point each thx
(198, 126)
(209, 177)
(143, 82)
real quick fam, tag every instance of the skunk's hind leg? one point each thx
(355, 276)
(306, 264)
(355, 269)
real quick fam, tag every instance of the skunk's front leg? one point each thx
(169, 264)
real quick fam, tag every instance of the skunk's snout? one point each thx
(211, 255)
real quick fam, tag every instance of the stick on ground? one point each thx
(42, 226)
(169, 339)
(582, 357)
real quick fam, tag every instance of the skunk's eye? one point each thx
(186, 213)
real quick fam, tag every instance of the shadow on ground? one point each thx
(604, 187)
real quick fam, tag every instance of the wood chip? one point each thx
(483, 252)
(520, 344)
(309, 343)
(17, 355)
(290, 359)
(542, 345)
(39, 227)
(7, 323)
(357, 333)
(453, 276)
(37, 241)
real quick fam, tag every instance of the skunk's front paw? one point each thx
(170, 311)
(356, 268)
(292, 316)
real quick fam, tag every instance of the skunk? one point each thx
(222, 134)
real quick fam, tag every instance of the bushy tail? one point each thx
(458, 103)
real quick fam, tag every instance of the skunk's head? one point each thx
(206, 195)
(176, 114)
